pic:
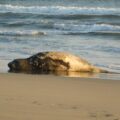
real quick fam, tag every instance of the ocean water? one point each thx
(87, 28)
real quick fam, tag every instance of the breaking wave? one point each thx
(58, 10)
(21, 33)
(88, 28)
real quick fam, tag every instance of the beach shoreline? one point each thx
(48, 97)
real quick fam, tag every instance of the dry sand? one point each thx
(40, 97)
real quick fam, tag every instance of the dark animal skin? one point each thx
(46, 62)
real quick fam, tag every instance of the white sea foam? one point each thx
(58, 10)
(86, 28)
(21, 33)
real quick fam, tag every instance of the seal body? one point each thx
(54, 62)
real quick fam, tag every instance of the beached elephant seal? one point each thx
(45, 62)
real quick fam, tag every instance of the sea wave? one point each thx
(88, 28)
(58, 10)
(21, 33)
(114, 66)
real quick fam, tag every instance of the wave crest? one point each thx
(86, 28)
(57, 10)
(21, 33)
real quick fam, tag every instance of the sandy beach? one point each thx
(47, 97)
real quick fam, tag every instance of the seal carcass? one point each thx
(53, 61)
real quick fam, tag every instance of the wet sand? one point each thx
(47, 97)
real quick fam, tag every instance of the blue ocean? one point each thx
(87, 28)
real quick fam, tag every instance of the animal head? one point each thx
(19, 65)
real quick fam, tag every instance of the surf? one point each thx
(57, 10)
(21, 33)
